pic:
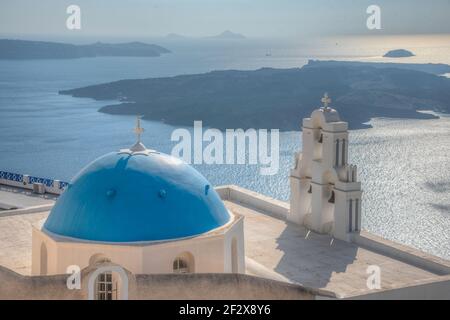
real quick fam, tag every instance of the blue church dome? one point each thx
(137, 196)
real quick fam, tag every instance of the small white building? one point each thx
(142, 210)
(325, 193)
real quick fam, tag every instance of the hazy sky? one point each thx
(253, 18)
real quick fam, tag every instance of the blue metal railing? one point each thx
(17, 177)
(44, 181)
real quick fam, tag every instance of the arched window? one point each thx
(44, 258)
(180, 265)
(108, 282)
(184, 263)
(106, 287)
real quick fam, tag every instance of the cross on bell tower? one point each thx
(326, 101)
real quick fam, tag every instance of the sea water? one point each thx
(404, 165)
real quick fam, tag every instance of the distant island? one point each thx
(278, 98)
(24, 49)
(227, 34)
(434, 68)
(174, 36)
(398, 53)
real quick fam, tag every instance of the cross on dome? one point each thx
(138, 147)
(138, 130)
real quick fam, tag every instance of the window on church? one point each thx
(180, 266)
(310, 189)
(105, 287)
(321, 138)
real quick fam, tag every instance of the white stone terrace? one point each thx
(274, 248)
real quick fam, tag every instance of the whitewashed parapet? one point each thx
(224, 192)
(258, 201)
(26, 182)
(403, 253)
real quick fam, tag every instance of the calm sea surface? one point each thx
(404, 165)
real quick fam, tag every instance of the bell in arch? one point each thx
(331, 200)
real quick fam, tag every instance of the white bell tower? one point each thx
(325, 193)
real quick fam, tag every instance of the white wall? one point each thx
(211, 252)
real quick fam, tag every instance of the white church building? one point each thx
(143, 210)
(140, 224)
